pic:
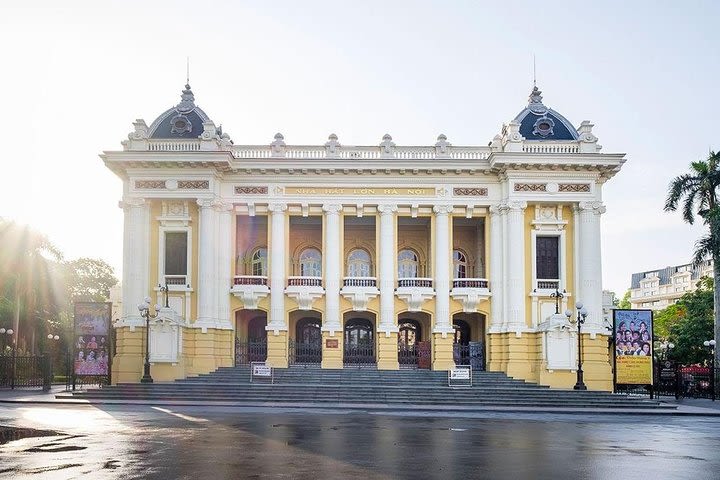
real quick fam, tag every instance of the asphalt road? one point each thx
(195, 443)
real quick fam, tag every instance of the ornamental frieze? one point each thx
(530, 187)
(194, 184)
(253, 190)
(149, 184)
(471, 192)
(363, 191)
(574, 187)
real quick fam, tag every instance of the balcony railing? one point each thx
(470, 283)
(415, 282)
(359, 282)
(547, 284)
(250, 280)
(176, 280)
(304, 281)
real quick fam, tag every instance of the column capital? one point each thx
(205, 202)
(222, 207)
(129, 202)
(597, 208)
(442, 209)
(498, 209)
(277, 207)
(517, 205)
(387, 209)
(332, 208)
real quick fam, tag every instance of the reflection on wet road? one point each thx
(193, 442)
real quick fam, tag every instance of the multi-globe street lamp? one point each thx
(3, 332)
(145, 313)
(666, 347)
(711, 345)
(579, 320)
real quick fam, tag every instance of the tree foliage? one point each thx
(625, 302)
(89, 279)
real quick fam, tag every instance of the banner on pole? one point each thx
(92, 338)
(633, 347)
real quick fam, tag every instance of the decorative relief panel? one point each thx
(150, 184)
(575, 187)
(194, 184)
(471, 192)
(251, 190)
(530, 187)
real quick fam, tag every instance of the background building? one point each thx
(656, 289)
(382, 256)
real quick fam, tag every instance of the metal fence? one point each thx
(25, 371)
(408, 356)
(300, 353)
(248, 352)
(358, 355)
(679, 381)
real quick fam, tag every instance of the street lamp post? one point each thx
(711, 345)
(4, 332)
(558, 295)
(665, 348)
(145, 313)
(579, 320)
(165, 289)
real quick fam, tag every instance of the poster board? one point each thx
(92, 351)
(632, 332)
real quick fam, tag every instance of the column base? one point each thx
(387, 354)
(442, 352)
(332, 350)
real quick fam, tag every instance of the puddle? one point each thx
(10, 434)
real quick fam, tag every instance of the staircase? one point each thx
(358, 386)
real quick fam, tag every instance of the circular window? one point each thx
(543, 126)
(180, 124)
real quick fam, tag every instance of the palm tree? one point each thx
(698, 193)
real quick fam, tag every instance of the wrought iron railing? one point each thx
(359, 282)
(25, 371)
(176, 280)
(415, 282)
(547, 284)
(301, 353)
(408, 356)
(359, 355)
(304, 281)
(470, 283)
(247, 352)
(250, 280)
(461, 354)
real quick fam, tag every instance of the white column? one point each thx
(278, 261)
(387, 249)
(332, 258)
(496, 268)
(590, 264)
(515, 274)
(136, 252)
(442, 268)
(207, 264)
(224, 266)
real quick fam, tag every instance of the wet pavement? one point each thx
(126, 441)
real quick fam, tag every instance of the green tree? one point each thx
(698, 193)
(693, 324)
(89, 279)
(625, 302)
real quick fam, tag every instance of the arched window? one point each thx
(358, 263)
(358, 333)
(407, 264)
(308, 331)
(310, 263)
(409, 333)
(259, 261)
(462, 332)
(459, 264)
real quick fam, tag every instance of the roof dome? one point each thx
(538, 122)
(185, 120)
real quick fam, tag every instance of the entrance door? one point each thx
(409, 336)
(307, 347)
(359, 348)
(461, 342)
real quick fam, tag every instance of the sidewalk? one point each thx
(58, 396)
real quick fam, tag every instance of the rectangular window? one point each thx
(547, 257)
(176, 253)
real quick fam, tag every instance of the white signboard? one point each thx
(262, 371)
(463, 374)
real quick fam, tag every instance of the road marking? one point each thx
(180, 415)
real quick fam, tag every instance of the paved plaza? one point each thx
(145, 441)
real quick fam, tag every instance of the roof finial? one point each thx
(534, 73)
(187, 76)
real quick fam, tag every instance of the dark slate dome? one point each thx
(538, 122)
(185, 120)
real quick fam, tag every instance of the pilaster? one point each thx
(332, 258)
(443, 325)
(136, 259)
(207, 265)
(515, 250)
(590, 268)
(278, 261)
(387, 248)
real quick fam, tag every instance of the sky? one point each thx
(75, 75)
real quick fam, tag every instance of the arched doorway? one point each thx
(469, 340)
(307, 347)
(461, 342)
(359, 345)
(413, 351)
(250, 337)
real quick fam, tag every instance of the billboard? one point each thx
(92, 338)
(633, 347)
